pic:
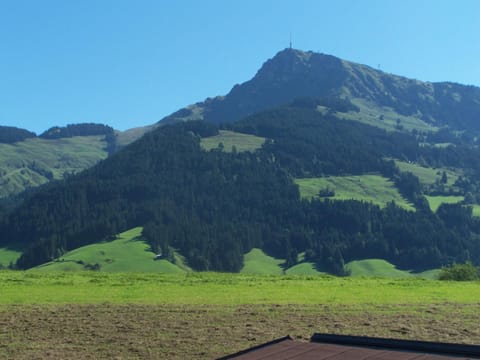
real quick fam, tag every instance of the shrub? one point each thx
(460, 272)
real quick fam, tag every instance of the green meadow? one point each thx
(370, 188)
(382, 268)
(68, 155)
(130, 253)
(384, 117)
(225, 289)
(126, 253)
(475, 210)
(257, 262)
(427, 175)
(436, 201)
(230, 139)
(8, 255)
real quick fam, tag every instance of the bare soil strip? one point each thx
(204, 332)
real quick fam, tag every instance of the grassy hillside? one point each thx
(370, 188)
(476, 210)
(257, 262)
(375, 267)
(123, 138)
(127, 253)
(305, 268)
(242, 142)
(385, 117)
(429, 176)
(436, 201)
(36, 161)
(382, 268)
(8, 255)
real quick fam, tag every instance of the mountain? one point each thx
(290, 162)
(294, 74)
(380, 99)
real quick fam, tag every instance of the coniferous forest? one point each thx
(214, 206)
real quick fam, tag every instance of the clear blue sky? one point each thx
(130, 63)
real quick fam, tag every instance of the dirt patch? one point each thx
(205, 332)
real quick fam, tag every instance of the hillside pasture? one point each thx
(427, 175)
(369, 188)
(305, 268)
(8, 255)
(384, 117)
(257, 262)
(435, 201)
(374, 268)
(36, 161)
(128, 252)
(384, 269)
(475, 210)
(230, 139)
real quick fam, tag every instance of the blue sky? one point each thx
(130, 63)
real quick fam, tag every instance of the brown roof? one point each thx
(336, 347)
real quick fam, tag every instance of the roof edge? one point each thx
(395, 344)
(273, 342)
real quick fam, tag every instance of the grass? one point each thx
(371, 114)
(127, 253)
(257, 262)
(306, 268)
(229, 139)
(436, 201)
(475, 210)
(382, 268)
(8, 255)
(370, 188)
(26, 163)
(375, 267)
(123, 138)
(89, 287)
(428, 176)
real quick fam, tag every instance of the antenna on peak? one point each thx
(290, 40)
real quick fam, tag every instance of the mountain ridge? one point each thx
(294, 73)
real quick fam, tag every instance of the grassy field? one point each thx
(242, 142)
(382, 268)
(436, 201)
(100, 315)
(429, 176)
(127, 253)
(18, 171)
(92, 287)
(371, 188)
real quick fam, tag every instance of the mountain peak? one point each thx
(295, 63)
(294, 73)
